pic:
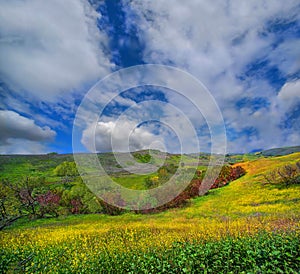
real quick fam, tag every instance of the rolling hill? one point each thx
(247, 212)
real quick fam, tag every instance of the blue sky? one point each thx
(245, 52)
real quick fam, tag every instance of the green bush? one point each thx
(66, 169)
(142, 158)
(79, 199)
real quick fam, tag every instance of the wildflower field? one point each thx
(244, 227)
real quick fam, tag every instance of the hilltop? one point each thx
(280, 151)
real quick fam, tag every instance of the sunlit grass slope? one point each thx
(244, 207)
(243, 199)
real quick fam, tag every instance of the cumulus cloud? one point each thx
(137, 124)
(19, 134)
(275, 125)
(287, 57)
(126, 136)
(50, 47)
(290, 92)
(218, 42)
(206, 37)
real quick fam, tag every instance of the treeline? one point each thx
(35, 197)
(226, 175)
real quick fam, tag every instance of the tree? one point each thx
(49, 203)
(8, 205)
(4, 197)
(19, 199)
(79, 199)
(26, 191)
(66, 169)
(286, 175)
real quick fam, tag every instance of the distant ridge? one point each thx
(280, 151)
(69, 156)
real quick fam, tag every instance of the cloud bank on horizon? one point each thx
(245, 52)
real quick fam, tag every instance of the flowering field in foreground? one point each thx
(144, 250)
(245, 226)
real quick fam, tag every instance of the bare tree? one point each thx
(286, 175)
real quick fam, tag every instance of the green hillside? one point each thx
(247, 215)
(280, 151)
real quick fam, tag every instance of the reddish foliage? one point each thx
(48, 202)
(110, 199)
(48, 198)
(226, 175)
(76, 206)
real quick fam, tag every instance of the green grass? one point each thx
(16, 167)
(245, 227)
(132, 181)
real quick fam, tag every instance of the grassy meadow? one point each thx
(246, 226)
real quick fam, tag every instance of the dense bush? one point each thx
(286, 175)
(66, 169)
(49, 203)
(226, 175)
(164, 173)
(35, 198)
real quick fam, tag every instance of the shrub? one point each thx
(227, 174)
(262, 253)
(78, 199)
(142, 158)
(66, 169)
(286, 175)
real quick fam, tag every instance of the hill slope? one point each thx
(244, 198)
(280, 151)
(242, 208)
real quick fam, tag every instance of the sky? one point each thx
(52, 53)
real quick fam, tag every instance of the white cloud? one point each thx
(125, 137)
(179, 114)
(148, 124)
(290, 92)
(268, 122)
(50, 47)
(215, 41)
(200, 35)
(287, 57)
(14, 125)
(19, 134)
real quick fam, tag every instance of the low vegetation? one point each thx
(42, 197)
(246, 227)
(128, 252)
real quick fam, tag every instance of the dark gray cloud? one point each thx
(20, 134)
